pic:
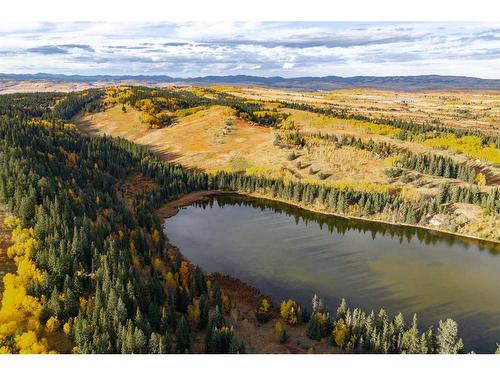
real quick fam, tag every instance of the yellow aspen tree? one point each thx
(184, 274)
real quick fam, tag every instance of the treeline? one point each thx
(17, 107)
(75, 102)
(49, 106)
(472, 195)
(164, 99)
(344, 201)
(382, 149)
(358, 203)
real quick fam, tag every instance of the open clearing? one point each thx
(196, 141)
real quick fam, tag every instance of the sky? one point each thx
(287, 49)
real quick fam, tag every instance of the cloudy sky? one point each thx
(288, 49)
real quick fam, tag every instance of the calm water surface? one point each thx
(287, 252)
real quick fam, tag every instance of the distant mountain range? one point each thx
(404, 83)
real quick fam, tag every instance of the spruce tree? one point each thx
(183, 336)
(447, 337)
(313, 329)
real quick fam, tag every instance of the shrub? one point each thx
(280, 333)
(393, 172)
(263, 310)
(289, 311)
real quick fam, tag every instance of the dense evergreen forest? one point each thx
(94, 268)
(86, 262)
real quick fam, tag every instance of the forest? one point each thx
(95, 275)
(86, 264)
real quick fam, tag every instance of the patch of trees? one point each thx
(49, 106)
(357, 331)
(75, 102)
(27, 105)
(357, 203)
(437, 165)
(251, 110)
(164, 99)
(264, 310)
(289, 135)
(159, 105)
(219, 337)
(155, 101)
(382, 149)
(469, 194)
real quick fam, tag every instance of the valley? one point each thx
(90, 174)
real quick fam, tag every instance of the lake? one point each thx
(288, 252)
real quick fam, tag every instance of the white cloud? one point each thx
(270, 48)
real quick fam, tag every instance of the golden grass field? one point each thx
(196, 141)
(471, 110)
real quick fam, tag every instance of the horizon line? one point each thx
(239, 75)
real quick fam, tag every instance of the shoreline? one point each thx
(244, 296)
(171, 208)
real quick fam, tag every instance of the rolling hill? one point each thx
(404, 83)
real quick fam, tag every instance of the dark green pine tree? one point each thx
(219, 338)
(313, 329)
(183, 336)
(204, 310)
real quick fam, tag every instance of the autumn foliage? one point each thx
(20, 329)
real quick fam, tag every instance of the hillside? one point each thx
(400, 83)
(212, 139)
